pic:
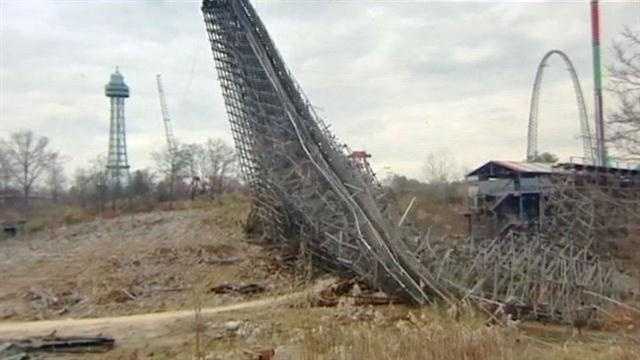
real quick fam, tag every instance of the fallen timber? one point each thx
(308, 192)
(56, 344)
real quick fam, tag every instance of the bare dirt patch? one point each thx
(131, 264)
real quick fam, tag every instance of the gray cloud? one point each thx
(399, 79)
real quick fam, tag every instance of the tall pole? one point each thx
(601, 151)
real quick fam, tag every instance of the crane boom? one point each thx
(168, 130)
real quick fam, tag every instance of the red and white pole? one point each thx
(601, 150)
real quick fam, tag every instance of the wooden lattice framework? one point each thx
(309, 192)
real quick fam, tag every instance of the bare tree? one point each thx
(215, 162)
(28, 158)
(440, 167)
(142, 183)
(546, 157)
(173, 165)
(56, 179)
(99, 182)
(80, 188)
(5, 171)
(624, 122)
(90, 185)
(191, 154)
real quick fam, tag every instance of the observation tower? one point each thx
(117, 165)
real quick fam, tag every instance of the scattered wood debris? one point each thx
(9, 351)
(18, 348)
(128, 294)
(246, 289)
(266, 354)
(47, 302)
(42, 298)
(6, 313)
(214, 260)
(356, 291)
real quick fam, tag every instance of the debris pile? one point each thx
(353, 293)
(308, 192)
(244, 289)
(150, 262)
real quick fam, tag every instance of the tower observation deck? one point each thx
(117, 164)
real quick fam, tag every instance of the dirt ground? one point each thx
(131, 264)
(146, 279)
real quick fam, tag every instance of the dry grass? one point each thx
(229, 210)
(135, 263)
(418, 336)
(55, 216)
(162, 246)
(444, 219)
(198, 293)
(400, 332)
(429, 334)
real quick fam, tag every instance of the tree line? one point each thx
(31, 171)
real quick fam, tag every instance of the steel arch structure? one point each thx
(532, 136)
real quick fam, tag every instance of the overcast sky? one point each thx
(399, 79)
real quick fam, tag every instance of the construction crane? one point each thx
(172, 144)
(168, 130)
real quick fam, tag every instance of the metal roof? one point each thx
(516, 166)
(600, 169)
(526, 167)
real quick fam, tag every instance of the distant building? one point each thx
(511, 195)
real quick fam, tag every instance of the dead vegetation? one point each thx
(346, 331)
(434, 336)
(132, 263)
(198, 257)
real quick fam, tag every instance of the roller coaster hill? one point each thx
(310, 192)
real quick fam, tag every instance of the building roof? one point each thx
(504, 167)
(598, 169)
